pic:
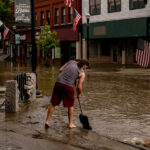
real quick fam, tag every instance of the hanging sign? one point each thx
(17, 38)
(22, 12)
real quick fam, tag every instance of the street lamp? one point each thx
(87, 27)
(34, 52)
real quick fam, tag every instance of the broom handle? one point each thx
(80, 105)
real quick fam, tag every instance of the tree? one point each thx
(5, 11)
(47, 41)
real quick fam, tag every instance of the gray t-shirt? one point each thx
(70, 73)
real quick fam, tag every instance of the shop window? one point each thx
(70, 12)
(48, 16)
(56, 16)
(95, 7)
(93, 49)
(119, 51)
(105, 49)
(42, 18)
(137, 4)
(63, 17)
(114, 5)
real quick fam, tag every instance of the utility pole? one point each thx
(34, 51)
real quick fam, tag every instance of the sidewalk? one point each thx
(25, 131)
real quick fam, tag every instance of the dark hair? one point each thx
(83, 62)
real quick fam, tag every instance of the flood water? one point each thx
(117, 104)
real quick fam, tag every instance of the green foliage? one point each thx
(5, 11)
(47, 40)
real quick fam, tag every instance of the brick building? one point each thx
(60, 18)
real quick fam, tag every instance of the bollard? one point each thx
(12, 97)
(26, 86)
(30, 86)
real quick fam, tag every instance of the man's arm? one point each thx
(62, 68)
(79, 86)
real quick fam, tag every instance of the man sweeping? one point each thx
(64, 88)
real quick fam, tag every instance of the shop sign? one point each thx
(17, 38)
(6, 43)
(22, 12)
(23, 37)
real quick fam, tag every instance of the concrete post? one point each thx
(12, 97)
(123, 57)
(30, 85)
(78, 52)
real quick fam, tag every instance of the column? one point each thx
(84, 49)
(123, 57)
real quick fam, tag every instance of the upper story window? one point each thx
(48, 17)
(63, 17)
(95, 7)
(70, 14)
(42, 18)
(114, 5)
(35, 18)
(136, 4)
(56, 16)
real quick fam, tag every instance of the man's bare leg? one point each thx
(70, 117)
(49, 114)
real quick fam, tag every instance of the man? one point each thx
(64, 90)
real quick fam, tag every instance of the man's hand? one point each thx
(78, 96)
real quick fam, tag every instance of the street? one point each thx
(116, 101)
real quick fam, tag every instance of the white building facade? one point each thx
(113, 30)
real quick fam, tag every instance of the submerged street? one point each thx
(116, 101)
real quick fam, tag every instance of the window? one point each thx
(48, 16)
(114, 5)
(56, 16)
(63, 17)
(42, 18)
(136, 4)
(105, 49)
(70, 12)
(95, 7)
(35, 18)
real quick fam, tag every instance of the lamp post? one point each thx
(34, 52)
(87, 27)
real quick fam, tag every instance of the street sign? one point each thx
(17, 38)
(22, 12)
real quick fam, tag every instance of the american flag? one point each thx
(6, 30)
(143, 53)
(76, 20)
(68, 3)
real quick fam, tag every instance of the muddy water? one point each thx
(117, 104)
